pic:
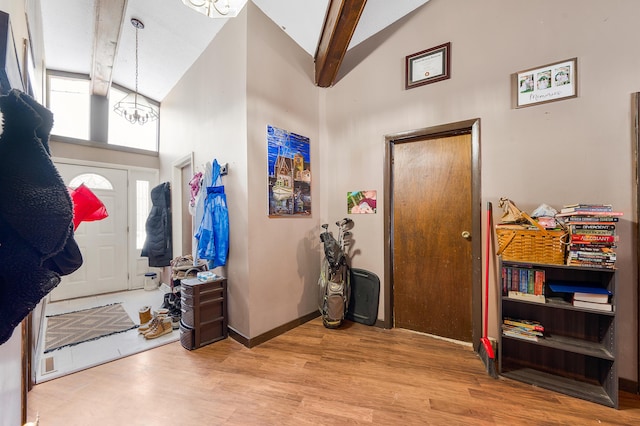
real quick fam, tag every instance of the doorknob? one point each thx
(466, 235)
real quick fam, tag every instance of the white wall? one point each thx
(251, 75)
(205, 113)
(576, 150)
(10, 385)
(284, 260)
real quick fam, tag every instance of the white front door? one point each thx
(103, 243)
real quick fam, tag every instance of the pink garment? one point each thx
(195, 184)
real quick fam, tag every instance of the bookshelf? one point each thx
(577, 355)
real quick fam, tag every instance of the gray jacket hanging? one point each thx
(158, 246)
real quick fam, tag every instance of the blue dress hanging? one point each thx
(213, 233)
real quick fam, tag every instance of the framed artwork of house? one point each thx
(289, 173)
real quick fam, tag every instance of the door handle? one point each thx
(466, 235)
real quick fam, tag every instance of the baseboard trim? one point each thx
(252, 342)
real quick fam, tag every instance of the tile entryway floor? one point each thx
(89, 354)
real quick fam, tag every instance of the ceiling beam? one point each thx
(339, 25)
(109, 20)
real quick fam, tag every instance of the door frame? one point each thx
(635, 97)
(177, 188)
(132, 173)
(471, 126)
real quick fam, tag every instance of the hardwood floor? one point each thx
(311, 376)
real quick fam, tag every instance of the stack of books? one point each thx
(522, 329)
(597, 298)
(523, 283)
(593, 238)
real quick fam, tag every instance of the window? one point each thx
(123, 133)
(91, 180)
(69, 101)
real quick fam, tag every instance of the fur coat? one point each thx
(36, 212)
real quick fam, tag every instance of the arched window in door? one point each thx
(92, 181)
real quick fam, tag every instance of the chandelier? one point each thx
(212, 8)
(134, 107)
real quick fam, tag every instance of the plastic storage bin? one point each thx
(150, 281)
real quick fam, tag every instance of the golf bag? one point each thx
(334, 284)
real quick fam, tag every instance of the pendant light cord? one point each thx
(138, 24)
(136, 65)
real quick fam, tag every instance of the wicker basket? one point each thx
(532, 245)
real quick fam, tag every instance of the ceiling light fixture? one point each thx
(212, 8)
(134, 107)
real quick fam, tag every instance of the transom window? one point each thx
(91, 181)
(70, 102)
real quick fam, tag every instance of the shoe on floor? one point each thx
(164, 327)
(155, 321)
(145, 314)
(175, 322)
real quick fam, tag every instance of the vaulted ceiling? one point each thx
(96, 38)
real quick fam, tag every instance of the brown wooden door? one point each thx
(432, 259)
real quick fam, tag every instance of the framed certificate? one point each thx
(428, 66)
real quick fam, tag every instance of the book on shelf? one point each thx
(600, 226)
(593, 260)
(538, 282)
(587, 209)
(522, 281)
(591, 297)
(582, 293)
(592, 231)
(524, 323)
(592, 235)
(537, 298)
(521, 333)
(580, 245)
(602, 260)
(607, 307)
(593, 248)
(579, 214)
(590, 219)
(576, 253)
(560, 287)
(587, 205)
(587, 264)
(593, 238)
(503, 277)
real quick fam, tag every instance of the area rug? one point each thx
(76, 327)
